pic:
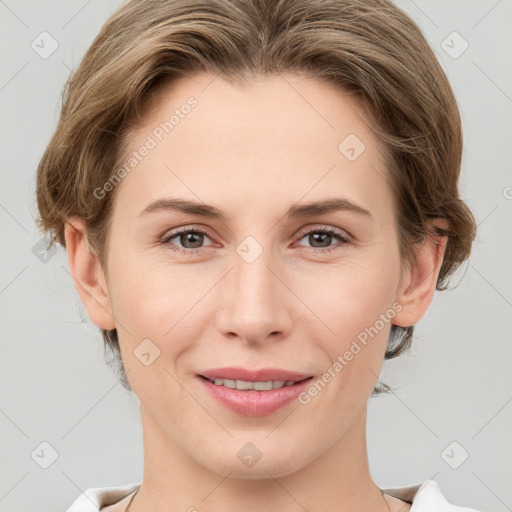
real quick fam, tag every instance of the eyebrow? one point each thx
(295, 211)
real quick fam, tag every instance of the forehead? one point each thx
(281, 136)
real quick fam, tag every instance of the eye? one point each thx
(191, 240)
(324, 236)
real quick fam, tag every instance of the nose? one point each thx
(254, 301)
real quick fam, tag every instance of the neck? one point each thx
(338, 479)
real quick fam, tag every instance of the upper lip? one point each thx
(262, 375)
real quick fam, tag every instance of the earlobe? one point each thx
(419, 280)
(88, 275)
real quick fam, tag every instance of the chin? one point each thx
(272, 462)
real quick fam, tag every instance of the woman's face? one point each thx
(261, 287)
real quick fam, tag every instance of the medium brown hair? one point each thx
(369, 48)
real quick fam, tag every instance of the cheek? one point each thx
(161, 302)
(145, 289)
(150, 302)
(358, 313)
(350, 296)
(356, 310)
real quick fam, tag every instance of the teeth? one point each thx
(244, 385)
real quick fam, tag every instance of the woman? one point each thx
(258, 199)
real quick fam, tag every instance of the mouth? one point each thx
(253, 392)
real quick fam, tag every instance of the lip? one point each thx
(253, 402)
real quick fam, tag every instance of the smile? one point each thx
(254, 397)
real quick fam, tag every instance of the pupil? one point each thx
(189, 238)
(317, 236)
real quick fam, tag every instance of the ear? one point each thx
(88, 275)
(419, 280)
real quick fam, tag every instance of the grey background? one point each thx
(55, 386)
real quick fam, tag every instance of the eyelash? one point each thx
(165, 240)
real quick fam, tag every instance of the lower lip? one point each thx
(252, 402)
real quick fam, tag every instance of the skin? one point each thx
(253, 152)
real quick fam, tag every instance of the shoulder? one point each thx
(426, 497)
(98, 498)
